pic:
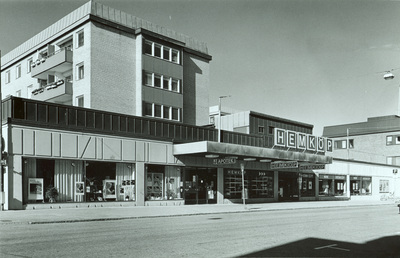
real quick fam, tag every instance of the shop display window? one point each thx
(332, 185)
(163, 183)
(307, 185)
(233, 184)
(257, 184)
(360, 185)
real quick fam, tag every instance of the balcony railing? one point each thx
(59, 61)
(60, 91)
(44, 114)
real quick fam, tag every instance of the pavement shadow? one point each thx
(316, 247)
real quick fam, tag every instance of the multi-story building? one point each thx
(369, 153)
(107, 109)
(101, 58)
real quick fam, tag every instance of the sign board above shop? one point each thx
(312, 167)
(302, 141)
(284, 164)
(224, 161)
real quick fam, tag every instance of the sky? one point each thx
(317, 62)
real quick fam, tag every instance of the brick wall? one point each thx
(112, 71)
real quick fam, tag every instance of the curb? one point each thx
(191, 214)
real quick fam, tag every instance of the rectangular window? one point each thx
(175, 85)
(29, 65)
(8, 77)
(148, 79)
(166, 53)
(342, 144)
(389, 140)
(81, 39)
(175, 56)
(157, 50)
(80, 71)
(29, 91)
(166, 114)
(383, 186)
(176, 114)
(157, 110)
(157, 81)
(271, 129)
(148, 109)
(80, 101)
(51, 78)
(393, 160)
(261, 129)
(18, 93)
(166, 82)
(18, 71)
(148, 47)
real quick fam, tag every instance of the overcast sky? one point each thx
(317, 62)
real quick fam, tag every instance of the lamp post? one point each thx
(219, 115)
(243, 188)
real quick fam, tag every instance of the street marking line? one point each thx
(332, 247)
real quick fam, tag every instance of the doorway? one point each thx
(200, 186)
(288, 186)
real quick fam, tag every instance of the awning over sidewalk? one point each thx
(241, 151)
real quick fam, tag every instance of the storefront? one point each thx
(97, 159)
(332, 185)
(77, 181)
(258, 185)
(200, 186)
(360, 185)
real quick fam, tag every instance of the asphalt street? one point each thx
(365, 231)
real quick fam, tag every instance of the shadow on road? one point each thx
(315, 247)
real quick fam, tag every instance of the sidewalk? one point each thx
(70, 215)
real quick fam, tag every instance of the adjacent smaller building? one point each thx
(368, 155)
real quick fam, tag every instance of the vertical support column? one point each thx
(140, 183)
(14, 196)
(348, 185)
(316, 186)
(276, 186)
(220, 185)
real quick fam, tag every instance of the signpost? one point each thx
(243, 189)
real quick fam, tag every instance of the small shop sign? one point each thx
(224, 161)
(312, 167)
(284, 164)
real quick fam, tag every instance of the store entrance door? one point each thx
(288, 186)
(200, 186)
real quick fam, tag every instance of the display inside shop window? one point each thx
(109, 189)
(94, 190)
(127, 190)
(154, 186)
(35, 189)
(79, 188)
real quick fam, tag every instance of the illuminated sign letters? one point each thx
(301, 141)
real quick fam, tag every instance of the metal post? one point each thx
(243, 189)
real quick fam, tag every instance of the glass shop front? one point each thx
(63, 181)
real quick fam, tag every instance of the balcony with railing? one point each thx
(59, 61)
(59, 91)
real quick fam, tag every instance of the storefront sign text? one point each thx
(302, 141)
(284, 164)
(225, 161)
(311, 167)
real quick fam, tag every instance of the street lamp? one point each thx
(389, 76)
(219, 115)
